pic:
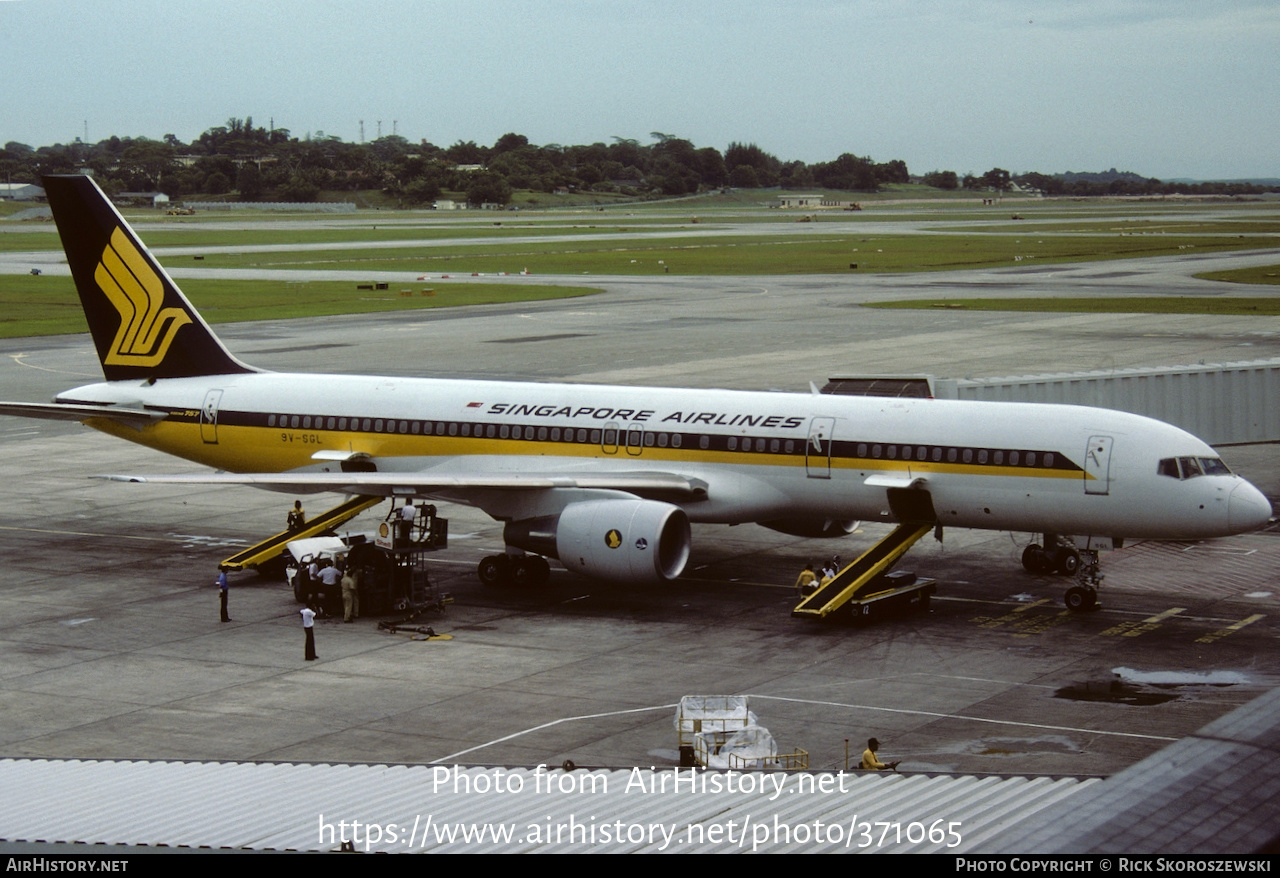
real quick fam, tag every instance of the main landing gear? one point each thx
(514, 569)
(1061, 556)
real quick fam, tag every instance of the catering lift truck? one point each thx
(391, 565)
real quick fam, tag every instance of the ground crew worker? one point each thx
(350, 595)
(309, 627)
(222, 592)
(871, 762)
(297, 518)
(806, 580)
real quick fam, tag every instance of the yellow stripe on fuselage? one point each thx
(273, 449)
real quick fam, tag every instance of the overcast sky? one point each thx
(1164, 88)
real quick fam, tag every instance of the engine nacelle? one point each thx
(638, 541)
(813, 527)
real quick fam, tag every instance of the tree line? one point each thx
(251, 163)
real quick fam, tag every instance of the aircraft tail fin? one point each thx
(142, 325)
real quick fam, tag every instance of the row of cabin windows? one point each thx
(1190, 467)
(936, 454)
(636, 438)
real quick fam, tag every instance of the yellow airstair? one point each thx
(271, 547)
(874, 562)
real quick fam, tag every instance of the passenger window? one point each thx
(675, 440)
(790, 446)
(937, 454)
(704, 442)
(542, 434)
(1013, 458)
(505, 431)
(982, 455)
(773, 445)
(998, 459)
(271, 420)
(733, 443)
(875, 451)
(967, 455)
(662, 440)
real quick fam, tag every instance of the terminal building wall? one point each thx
(1224, 404)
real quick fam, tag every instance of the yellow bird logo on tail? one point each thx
(137, 293)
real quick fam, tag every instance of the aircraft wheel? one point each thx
(1034, 559)
(493, 570)
(536, 569)
(531, 570)
(1069, 562)
(1080, 599)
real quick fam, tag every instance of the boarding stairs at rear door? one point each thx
(271, 547)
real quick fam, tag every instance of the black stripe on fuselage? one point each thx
(636, 440)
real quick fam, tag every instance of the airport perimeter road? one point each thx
(110, 644)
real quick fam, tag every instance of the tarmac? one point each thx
(110, 644)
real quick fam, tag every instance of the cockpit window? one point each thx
(1190, 467)
(1214, 466)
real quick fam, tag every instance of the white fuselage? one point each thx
(764, 457)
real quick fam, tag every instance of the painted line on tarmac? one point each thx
(453, 757)
(1230, 629)
(972, 719)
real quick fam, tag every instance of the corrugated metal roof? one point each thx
(274, 806)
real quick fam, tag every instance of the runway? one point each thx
(110, 645)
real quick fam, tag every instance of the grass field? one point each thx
(755, 255)
(717, 234)
(49, 305)
(1259, 274)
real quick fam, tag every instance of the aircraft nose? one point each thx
(1247, 508)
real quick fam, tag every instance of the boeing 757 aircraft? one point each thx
(607, 478)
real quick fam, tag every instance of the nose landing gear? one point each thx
(1059, 555)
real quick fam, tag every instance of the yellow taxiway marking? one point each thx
(1151, 623)
(1012, 616)
(1235, 626)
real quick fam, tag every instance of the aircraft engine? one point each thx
(813, 527)
(639, 541)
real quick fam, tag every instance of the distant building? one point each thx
(800, 201)
(20, 192)
(155, 199)
(445, 204)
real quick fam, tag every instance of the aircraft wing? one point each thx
(427, 484)
(52, 411)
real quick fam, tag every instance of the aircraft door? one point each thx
(1097, 465)
(209, 417)
(635, 438)
(609, 438)
(817, 451)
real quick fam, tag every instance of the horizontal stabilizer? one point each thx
(53, 411)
